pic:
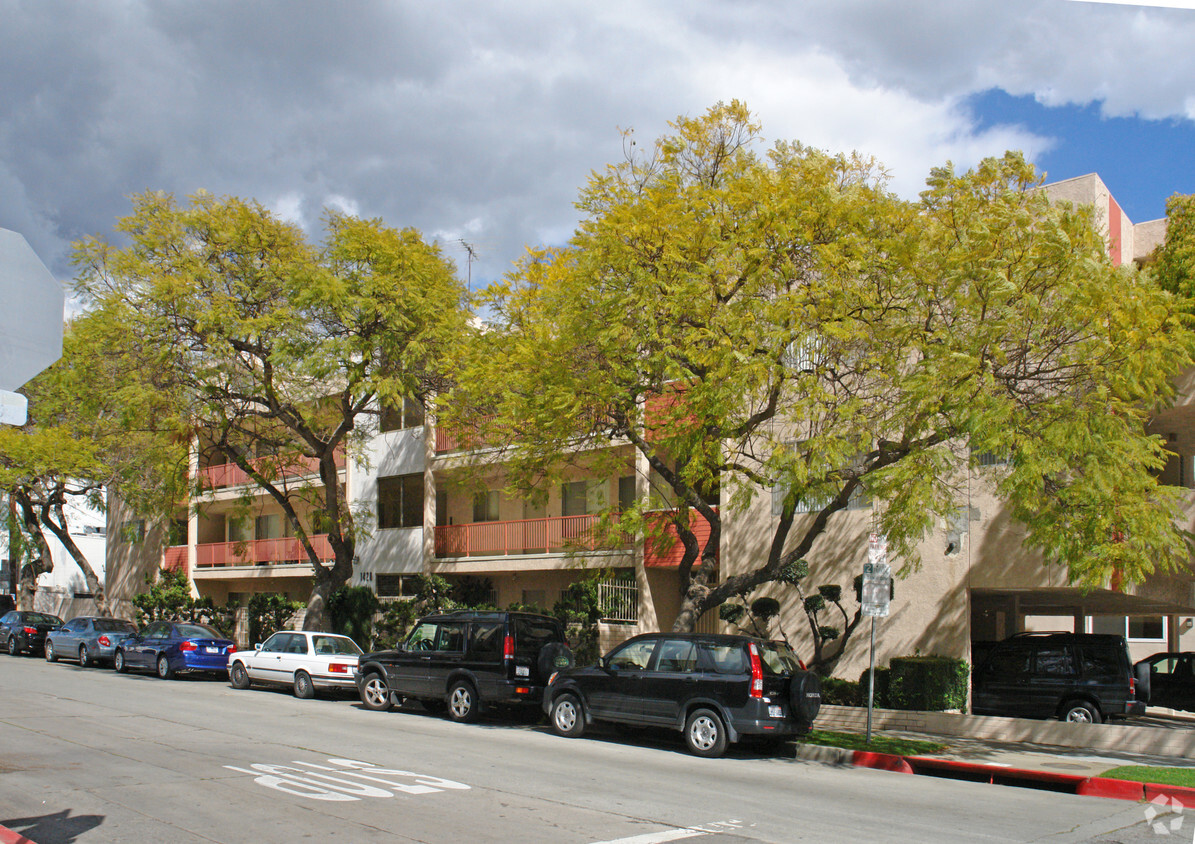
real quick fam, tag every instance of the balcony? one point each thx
(260, 552)
(552, 535)
(229, 474)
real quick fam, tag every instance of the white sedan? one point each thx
(301, 659)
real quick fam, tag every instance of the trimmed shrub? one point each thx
(351, 610)
(881, 695)
(927, 683)
(840, 692)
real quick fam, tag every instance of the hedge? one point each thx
(927, 683)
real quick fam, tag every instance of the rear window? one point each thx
(197, 631)
(39, 618)
(726, 659)
(112, 625)
(337, 645)
(531, 634)
(778, 658)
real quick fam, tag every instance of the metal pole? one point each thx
(871, 685)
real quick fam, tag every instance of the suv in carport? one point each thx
(466, 661)
(1079, 677)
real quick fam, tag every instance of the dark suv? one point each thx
(465, 661)
(1082, 677)
(715, 689)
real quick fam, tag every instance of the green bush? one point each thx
(268, 613)
(881, 693)
(351, 609)
(927, 683)
(840, 692)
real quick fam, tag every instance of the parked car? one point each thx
(303, 660)
(466, 661)
(1171, 679)
(1081, 677)
(25, 632)
(715, 689)
(89, 639)
(170, 647)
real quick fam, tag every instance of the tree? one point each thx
(781, 323)
(95, 421)
(1175, 268)
(278, 351)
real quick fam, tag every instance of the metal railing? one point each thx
(619, 600)
(526, 536)
(260, 552)
(230, 474)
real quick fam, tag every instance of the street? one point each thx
(92, 756)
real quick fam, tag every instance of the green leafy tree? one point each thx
(778, 322)
(269, 613)
(277, 350)
(1175, 267)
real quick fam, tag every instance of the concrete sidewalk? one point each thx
(1014, 751)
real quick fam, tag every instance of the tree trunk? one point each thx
(317, 617)
(60, 529)
(42, 563)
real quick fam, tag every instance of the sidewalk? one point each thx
(1041, 754)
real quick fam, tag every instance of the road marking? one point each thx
(677, 833)
(312, 782)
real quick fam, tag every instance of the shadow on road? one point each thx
(58, 828)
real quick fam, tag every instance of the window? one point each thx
(677, 656)
(580, 498)
(423, 637)
(633, 656)
(410, 415)
(298, 644)
(270, 526)
(990, 458)
(397, 585)
(276, 644)
(531, 634)
(725, 659)
(485, 506)
(400, 501)
(1055, 661)
(626, 492)
(132, 531)
(1147, 627)
(485, 639)
(451, 636)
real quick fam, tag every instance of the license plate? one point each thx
(522, 671)
(775, 711)
(211, 650)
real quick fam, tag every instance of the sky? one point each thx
(477, 122)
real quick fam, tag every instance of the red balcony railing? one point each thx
(666, 549)
(259, 552)
(175, 558)
(525, 536)
(460, 439)
(230, 474)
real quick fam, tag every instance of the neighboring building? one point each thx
(434, 514)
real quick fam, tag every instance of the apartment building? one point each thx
(440, 506)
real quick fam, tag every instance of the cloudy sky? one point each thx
(479, 121)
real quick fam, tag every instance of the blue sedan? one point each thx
(170, 647)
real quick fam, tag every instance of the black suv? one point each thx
(465, 661)
(1082, 677)
(715, 689)
(25, 632)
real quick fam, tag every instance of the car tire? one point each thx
(238, 677)
(568, 718)
(164, 670)
(1080, 712)
(553, 657)
(304, 688)
(375, 693)
(705, 734)
(48, 652)
(118, 662)
(13, 650)
(463, 705)
(84, 659)
(805, 697)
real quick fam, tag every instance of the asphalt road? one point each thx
(92, 756)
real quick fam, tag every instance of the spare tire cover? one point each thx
(554, 656)
(1141, 672)
(805, 696)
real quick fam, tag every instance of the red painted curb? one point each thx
(7, 836)
(1116, 789)
(1184, 794)
(880, 761)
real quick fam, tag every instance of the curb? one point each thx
(997, 774)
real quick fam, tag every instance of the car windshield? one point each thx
(197, 631)
(114, 625)
(336, 645)
(778, 658)
(41, 618)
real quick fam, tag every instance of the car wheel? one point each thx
(13, 650)
(118, 662)
(462, 702)
(164, 669)
(238, 676)
(49, 652)
(375, 693)
(568, 719)
(84, 661)
(1081, 712)
(304, 688)
(705, 733)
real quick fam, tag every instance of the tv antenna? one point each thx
(469, 261)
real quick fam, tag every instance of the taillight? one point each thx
(338, 668)
(1132, 687)
(104, 641)
(188, 646)
(232, 649)
(756, 671)
(30, 630)
(508, 647)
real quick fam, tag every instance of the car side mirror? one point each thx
(257, 647)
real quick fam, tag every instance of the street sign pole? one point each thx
(871, 686)
(875, 598)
